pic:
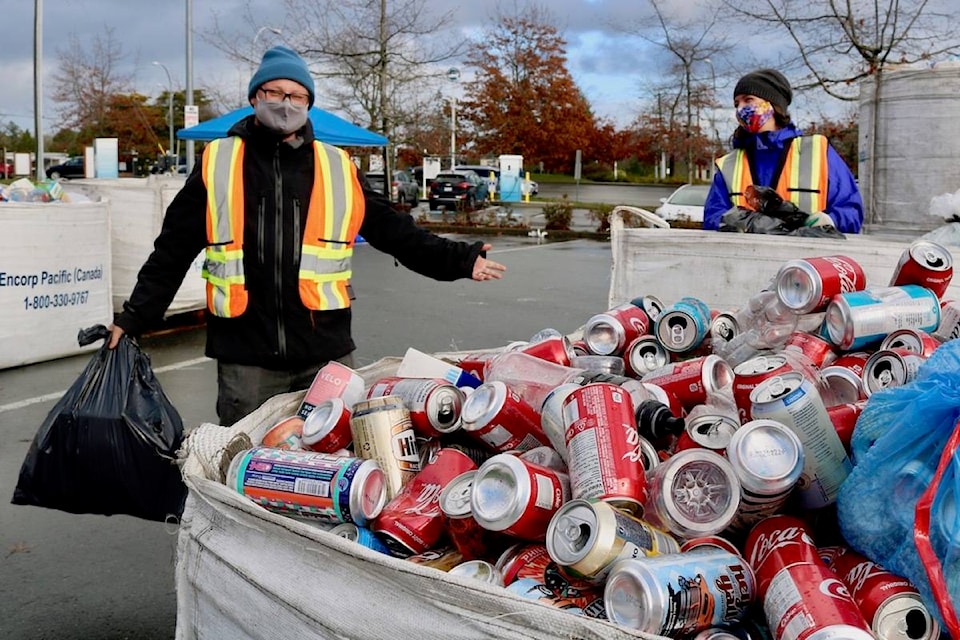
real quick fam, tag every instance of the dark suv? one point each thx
(72, 168)
(461, 190)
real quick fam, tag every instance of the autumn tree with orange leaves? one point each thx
(524, 101)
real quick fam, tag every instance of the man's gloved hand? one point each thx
(819, 219)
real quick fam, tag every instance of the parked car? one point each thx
(458, 190)
(72, 168)
(490, 174)
(403, 189)
(7, 170)
(530, 186)
(686, 203)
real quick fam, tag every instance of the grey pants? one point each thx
(243, 388)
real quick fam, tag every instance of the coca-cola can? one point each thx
(888, 368)
(327, 428)
(475, 363)
(862, 318)
(412, 522)
(499, 418)
(768, 460)
(652, 305)
(724, 327)
(844, 419)
(949, 327)
(853, 360)
(468, 537)
(517, 497)
(679, 594)
(643, 355)
(913, 340)
(927, 264)
(579, 348)
(708, 431)
(692, 493)
(382, 431)
(817, 350)
(793, 401)
(434, 404)
(891, 605)
(557, 349)
(747, 375)
(691, 381)
(602, 446)
(775, 543)
(610, 332)
(807, 285)
(586, 537)
(684, 325)
(333, 380)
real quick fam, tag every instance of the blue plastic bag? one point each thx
(897, 446)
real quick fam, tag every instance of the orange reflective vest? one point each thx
(333, 221)
(803, 179)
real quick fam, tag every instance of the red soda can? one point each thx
(817, 350)
(844, 419)
(690, 381)
(949, 327)
(517, 497)
(556, 349)
(333, 380)
(467, 536)
(775, 543)
(913, 340)
(499, 418)
(855, 360)
(747, 375)
(609, 333)
(927, 264)
(807, 285)
(434, 404)
(889, 368)
(475, 363)
(643, 355)
(412, 522)
(890, 604)
(327, 428)
(603, 446)
(579, 348)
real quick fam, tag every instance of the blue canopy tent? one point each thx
(326, 127)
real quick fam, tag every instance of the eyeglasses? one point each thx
(275, 95)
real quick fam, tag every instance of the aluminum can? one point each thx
(891, 605)
(643, 355)
(927, 264)
(691, 381)
(468, 537)
(708, 431)
(545, 457)
(475, 363)
(724, 327)
(817, 350)
(327, 428)
(586, 537)
(361, 535)
(333, 380)
(709, 542)
(613, 365)
(844, 419)
(609, 333)
(311, 485)
(768, 460)
(652, 305)
(747, 375)
(434, 404)
(531, 574)
(808, 284)
(556, 349)
(888, 368)
(499, 418)
(443, 559)
(793, 401)
(844, 378)
(679, 594)
(692, 493)
(478, 570)
(684, 325)
(517, 497)
(649, 456)
(637, 390)
(285, 434)
(949, 327)
(580, 348)
(775, 543)
(411, 522)
(913, 340)
(853, 360)
(855, 320)
(551, 418)
(602, 441)
(382, 431)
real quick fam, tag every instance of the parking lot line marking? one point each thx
(56, 395)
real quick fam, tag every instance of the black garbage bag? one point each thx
(772, 215)
(109, 445)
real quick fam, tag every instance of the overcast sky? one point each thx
(610, 68)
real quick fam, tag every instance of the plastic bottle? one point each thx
(533, 378)
(765, 324)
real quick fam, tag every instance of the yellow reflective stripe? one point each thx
(338, 196)
(731, 168)
(806, 167)
(220, 186)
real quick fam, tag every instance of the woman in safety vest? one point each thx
(769, 151)
(276, 213)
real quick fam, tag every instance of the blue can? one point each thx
(361, 535)
(683, 326)
(861, 318)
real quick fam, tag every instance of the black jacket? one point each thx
(277, 331)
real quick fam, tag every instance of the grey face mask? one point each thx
(281, 117)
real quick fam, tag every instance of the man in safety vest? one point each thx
(769, 151)
(277, 213)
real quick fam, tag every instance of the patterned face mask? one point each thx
(752, 117)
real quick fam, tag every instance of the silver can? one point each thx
(845, 386)
(724, 328)
(793, 401)
(768, 460)
(551, 417)
(478, 570)
(604, 364)
(643, 355)
(861, 318)
(888, 368)
(711, 431)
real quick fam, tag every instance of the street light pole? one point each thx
(169, 107)
(453, 74)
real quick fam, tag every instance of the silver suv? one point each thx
(403, 190)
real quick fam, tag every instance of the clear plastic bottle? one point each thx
(533, 378)
(765, 324)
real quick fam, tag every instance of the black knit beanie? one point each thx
(769, 84)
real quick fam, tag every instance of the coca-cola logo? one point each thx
(633, 440)
(858, 575)
(846, 273)
(768, 543)
(833, 588)
(639, 325)
(426, 503)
